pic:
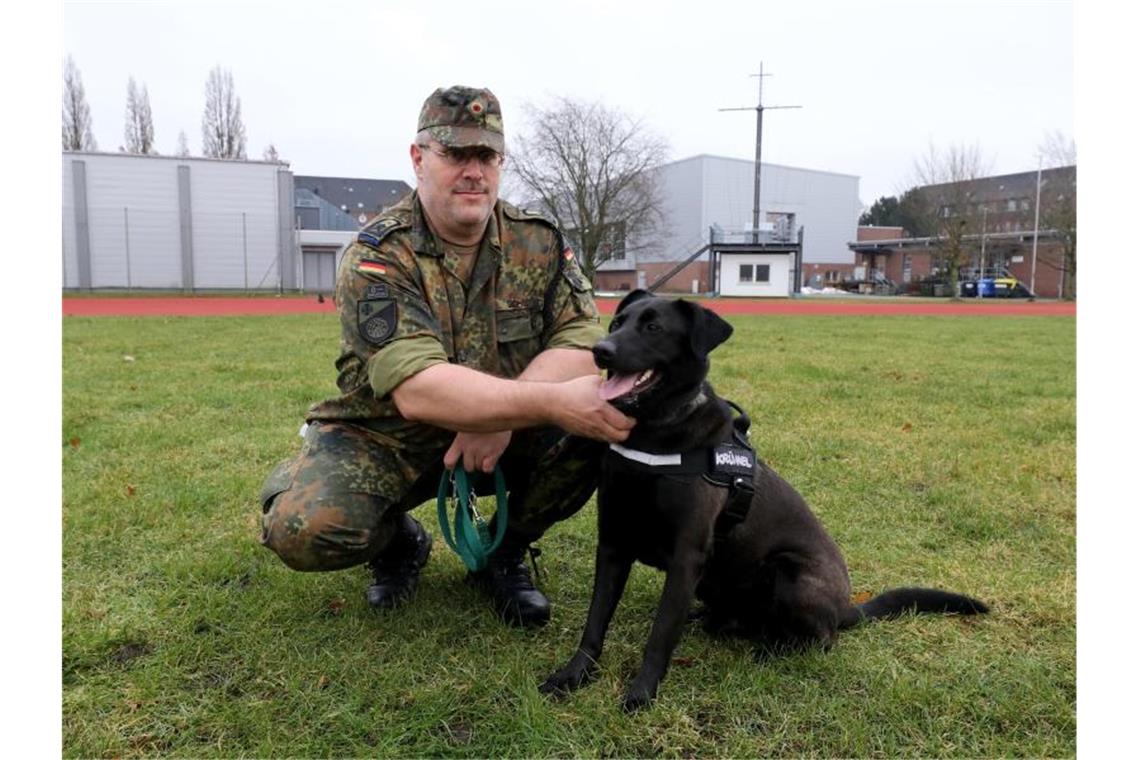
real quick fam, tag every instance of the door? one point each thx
(319, 267)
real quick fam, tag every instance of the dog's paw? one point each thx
(637, 697)
(567, 680)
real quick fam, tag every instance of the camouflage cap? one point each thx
(461, 117)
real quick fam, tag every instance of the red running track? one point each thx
(227, 306)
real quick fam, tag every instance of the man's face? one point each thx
(457, 187)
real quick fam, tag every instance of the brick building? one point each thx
(1003, 240)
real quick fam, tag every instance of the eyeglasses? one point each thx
(457, 157)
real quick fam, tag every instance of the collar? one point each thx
(687, 408)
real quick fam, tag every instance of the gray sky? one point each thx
(337, 86)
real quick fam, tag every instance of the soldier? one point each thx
(466, 326)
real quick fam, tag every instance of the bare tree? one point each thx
(1059, 204)
(223, 133)
(76, 113)
(270, 153)
(593, 170)
(945, 206)
(139, 130)
(183, 145)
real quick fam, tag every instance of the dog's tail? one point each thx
(900, 601)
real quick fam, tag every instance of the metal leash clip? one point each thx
(472, 539)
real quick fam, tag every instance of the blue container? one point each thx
(986, 287)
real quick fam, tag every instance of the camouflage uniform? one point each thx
(403, 307)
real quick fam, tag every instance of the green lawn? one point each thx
(937, 450)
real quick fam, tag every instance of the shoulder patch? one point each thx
(376, 319)
(528, 215)
(371, 268)
(375, 291)
(374, 234)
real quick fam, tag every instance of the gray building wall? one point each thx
(164, 222)
(705, 190)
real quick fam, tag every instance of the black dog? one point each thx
(725, 527)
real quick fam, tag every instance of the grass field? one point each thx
(937, 451)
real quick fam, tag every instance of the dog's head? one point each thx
(657, 351)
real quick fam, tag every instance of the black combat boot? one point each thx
(508, 581)
(397, 569)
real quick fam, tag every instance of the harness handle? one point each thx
(740, 423)
(472, 539)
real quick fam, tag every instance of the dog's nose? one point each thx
(604, 353)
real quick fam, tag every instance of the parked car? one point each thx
(1009, 287)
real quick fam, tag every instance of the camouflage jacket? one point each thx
(403, 307)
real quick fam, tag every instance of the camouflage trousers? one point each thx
(337, 503)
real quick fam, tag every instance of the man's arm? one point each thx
(462, 399)
(480, 451)
(556, 364)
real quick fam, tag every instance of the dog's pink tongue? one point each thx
(619, 385)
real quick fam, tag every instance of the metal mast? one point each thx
(759, 108)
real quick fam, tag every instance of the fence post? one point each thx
(127, 239)
(244, 254)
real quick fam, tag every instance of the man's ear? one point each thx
(707, 329)
(634, 295)
(417, 155)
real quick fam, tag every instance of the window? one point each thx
(753, 273)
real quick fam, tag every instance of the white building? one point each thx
(712, 194)
(164, 222)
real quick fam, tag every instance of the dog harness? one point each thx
(729, 464)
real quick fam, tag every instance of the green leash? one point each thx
(472, 538)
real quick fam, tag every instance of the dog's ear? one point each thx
(708, 329)
(634, 295)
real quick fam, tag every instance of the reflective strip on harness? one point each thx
(653, 460)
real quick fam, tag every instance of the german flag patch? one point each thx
(371, 268)
(567, 253)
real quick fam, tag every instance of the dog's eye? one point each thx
(652, 327)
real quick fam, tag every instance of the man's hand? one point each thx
(478, 451)
(584, 412)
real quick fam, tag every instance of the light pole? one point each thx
(1036, 221)
(982, 270)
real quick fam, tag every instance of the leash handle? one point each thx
(471, 539)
